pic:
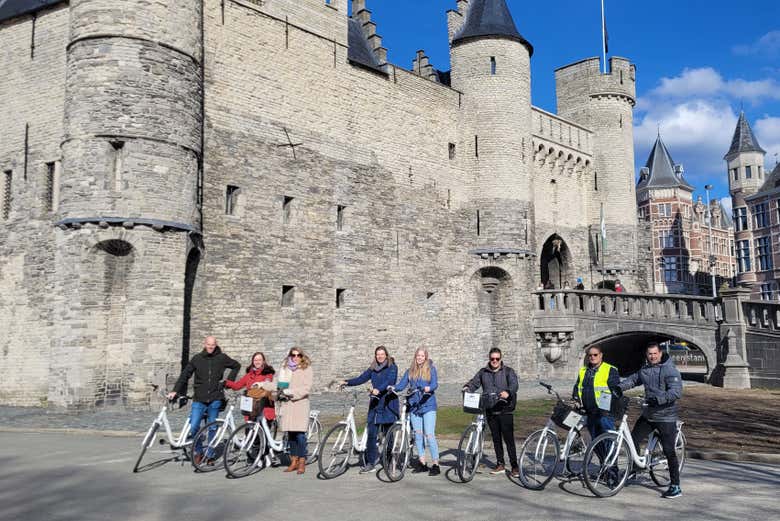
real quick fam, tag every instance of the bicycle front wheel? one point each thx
(396, 453)
(208, 446)
(659, 465)
(244, 451)
(313, 435)
(335, 451)
(607, 465)
(538, 459)
(575, 455)
(469, 453)
(151, 435)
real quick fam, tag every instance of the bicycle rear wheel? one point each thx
(244, 451)
(607, 465)
(538, 459)
(313, 435)
(659, 465)
(208, 446)
(335, 451)
(151, 434)
(469, 453)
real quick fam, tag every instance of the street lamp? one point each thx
(712, 253)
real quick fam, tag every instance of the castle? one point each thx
(257, 170)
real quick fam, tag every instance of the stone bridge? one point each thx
(739, 338)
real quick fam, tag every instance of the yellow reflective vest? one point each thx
(599, 385)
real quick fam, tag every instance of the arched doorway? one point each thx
(555, 264)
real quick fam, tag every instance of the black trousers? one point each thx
(667, 433)
(503, 426)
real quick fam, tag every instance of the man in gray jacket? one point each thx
(663, 387)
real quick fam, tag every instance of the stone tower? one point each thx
(604, 103)
(491, 68)
(131, 157)
(745, 161)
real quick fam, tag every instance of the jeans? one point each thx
(372, 451)
(196, 415)
(297, 441)
(667, 432)
(503, 426)
(598, 424)
(425, 424)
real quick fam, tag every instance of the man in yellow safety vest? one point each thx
(597, 386)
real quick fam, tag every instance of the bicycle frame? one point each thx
(624, 436)
(573, 431)
(175, 442)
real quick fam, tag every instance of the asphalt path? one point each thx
(53, 476)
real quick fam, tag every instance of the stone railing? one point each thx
(558, 130)
(761, 315)
(629, 306)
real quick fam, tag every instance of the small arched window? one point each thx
(492, 65)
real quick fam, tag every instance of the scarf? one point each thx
(292, 365)
(378, 367)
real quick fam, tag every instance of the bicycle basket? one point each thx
(472, 403)
(619, 407)
(564, 416)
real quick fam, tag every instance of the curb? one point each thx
(753, 457)
(85, 432)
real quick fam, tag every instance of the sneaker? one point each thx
(420, 467)
(365, 469)
(500, 469)
(435, 470)
(515, 472)
(672, 492)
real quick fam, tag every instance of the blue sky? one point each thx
(698, 62)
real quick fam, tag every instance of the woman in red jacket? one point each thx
(257, 371)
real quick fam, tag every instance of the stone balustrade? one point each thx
(762, 314)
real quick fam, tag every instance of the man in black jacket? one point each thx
(208, 366)
(500, 383)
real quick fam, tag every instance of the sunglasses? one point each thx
(296, 355)
(594, 354)
(495, 359)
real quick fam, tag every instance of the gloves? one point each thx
(652, 401)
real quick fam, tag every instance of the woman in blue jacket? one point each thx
(421, 376)
(383, 407)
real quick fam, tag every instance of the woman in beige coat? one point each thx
(294, 412)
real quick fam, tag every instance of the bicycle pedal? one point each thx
(162, 441)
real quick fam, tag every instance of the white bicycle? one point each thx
(254, 446)
(176, 443)
(341, 444)
(542, 453)
(611, 457)
(208, 445)
(399, 442)
(472, 441)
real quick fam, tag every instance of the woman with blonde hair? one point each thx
(296, 373)
(421, 377)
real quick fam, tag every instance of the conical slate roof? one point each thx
(13, 8)
(489, 18)
(743, 140)
(772, 180)
(661, 167)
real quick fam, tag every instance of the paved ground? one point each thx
(54, 476)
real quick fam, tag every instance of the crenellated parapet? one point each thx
(363, 16)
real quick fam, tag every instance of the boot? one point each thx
(301, 465)
(293, 464)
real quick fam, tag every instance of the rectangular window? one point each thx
(759, 171)
(740, 219)
(48, 196)
(287, 203)
(476, 146)
(763, 254)
(8, 179)
(766, 291)
(748, 173)
(231, 199)
(340, 217)
(760, 216)
(668, 239)
(492, 65)
(665, 210)
(340, 294)
(478, 223)
(735, 173)
(451, 150)
(288, 296)
(743, 256)
(118, 147)
(670, 269)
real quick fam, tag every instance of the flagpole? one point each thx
(603, 234)
(603, 38)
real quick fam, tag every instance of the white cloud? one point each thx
(767, 130)
(706, 81)
(767, 44)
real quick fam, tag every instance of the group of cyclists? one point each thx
(597, 390)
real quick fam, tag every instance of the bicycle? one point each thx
(542, 452)
(208, 444)
(616, 456)
(254, 446)
(341, 444)
(175, 443)
(471, 443)
(399, 442)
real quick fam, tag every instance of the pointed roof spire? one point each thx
(489, 18)
(662, 170)
(743, 140)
